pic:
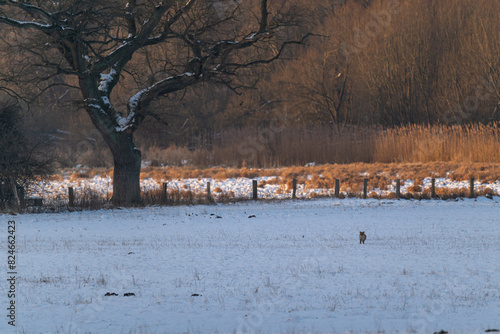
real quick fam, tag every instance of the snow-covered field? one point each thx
(296, 267)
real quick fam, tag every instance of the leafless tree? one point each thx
(97, 45)
(317, 86)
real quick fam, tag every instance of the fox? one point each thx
(362, 237)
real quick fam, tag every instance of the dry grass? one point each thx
(351, 176)
(272, 147)
(472, 143)
(276, 147)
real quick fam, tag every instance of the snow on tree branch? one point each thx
(137, 105)
(23, 24)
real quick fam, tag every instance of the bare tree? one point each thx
(98, 44)
(317, 86)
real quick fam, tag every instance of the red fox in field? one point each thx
(362, 237)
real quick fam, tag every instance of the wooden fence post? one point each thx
(164, 193)
(209, 194)
(71, 195)
(433, 188)
(365, 188)
(337, 188)
(14, 191)
(254, 183)
(471, 187)
(398, 188)
(294, 188)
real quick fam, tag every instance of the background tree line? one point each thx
(370, 62)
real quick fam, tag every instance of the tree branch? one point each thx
(277, 56)
(264, 15)
(139, 103)
(25, 25)
(143, 37)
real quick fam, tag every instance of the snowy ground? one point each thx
(296, 267)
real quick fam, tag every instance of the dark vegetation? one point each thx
(21, 161)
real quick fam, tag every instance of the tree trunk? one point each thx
(126, 157)
(126, 175)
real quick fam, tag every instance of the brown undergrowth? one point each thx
(321, 177)
(351, 176)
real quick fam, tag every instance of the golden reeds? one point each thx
(276, 147)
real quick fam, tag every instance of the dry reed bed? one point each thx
(275, 147)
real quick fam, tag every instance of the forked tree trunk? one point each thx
(126, 175)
